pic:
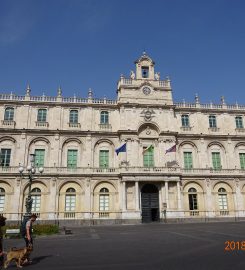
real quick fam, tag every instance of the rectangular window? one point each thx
(223, 205)
(73, 117)
(188, 160)
(104, 159)
(193, 202)
(36, 203)
(39, 157)
(104, 118)
(148, 157)
(104, 202)
(9, 114)
(5, 157)
(145, 72)
(242, 160)
(216, 160)
(72, 158)
(2, 201)
(239, 122)
(42, 115)
(185, 120)
(70, 203)
(212, 121)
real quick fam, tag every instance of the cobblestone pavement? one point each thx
(133, 247)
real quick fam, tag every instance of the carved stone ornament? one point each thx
(208, 182)
(148, 114)
(148, 130)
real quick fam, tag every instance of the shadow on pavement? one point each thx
(36, 260)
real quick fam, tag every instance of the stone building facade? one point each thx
(183, 161)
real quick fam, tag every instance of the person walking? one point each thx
(27, 233)
(2, 223)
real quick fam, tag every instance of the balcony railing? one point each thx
(213, 129)
(105, 126)
(8, 123)
(74, 125)
(186, 128)
(41, 124)
(131, 170)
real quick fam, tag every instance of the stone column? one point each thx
(51, 208)
(87, 197)
(179, 196)
(238, 200)
(137, 196)
(124, 203)
(166, 194)
(208, 198)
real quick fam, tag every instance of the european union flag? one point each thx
(121, 149)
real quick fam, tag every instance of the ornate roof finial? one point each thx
(197, 99)
(90, 93)
(144, 53)
(222, 99)
(28, 90)
(59, 91)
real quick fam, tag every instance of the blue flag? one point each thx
(121, 149)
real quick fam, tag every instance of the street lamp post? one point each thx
(31, 170)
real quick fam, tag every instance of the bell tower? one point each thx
(145, 67)
(144, 85)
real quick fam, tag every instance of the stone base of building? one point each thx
(96, 222)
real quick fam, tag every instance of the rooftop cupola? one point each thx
(145, 67)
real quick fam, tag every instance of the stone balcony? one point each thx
(42, 124)
(138, 82)
(161, 171)
(8, 123)
(74, 125)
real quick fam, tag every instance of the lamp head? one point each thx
(41, 169)
(21, 169)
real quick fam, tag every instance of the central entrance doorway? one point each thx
(150, 203)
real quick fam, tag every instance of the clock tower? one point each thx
(144, 85)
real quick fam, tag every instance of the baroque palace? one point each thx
(177, 161)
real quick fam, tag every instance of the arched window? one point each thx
(70, 200)
(73, 119)
(223, 202)
(2, 199)
(36, 200)
(104, 117)
(42, 115)
(104, 202)
(9, 114)
(193, 203)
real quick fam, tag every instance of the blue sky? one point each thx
(79, 44)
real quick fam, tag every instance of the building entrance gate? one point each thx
(150, 203)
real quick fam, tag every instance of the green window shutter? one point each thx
(242, 160)
(104, 159)
(148, 157)
(216, 160)
(188, 160)
(39, 157)
(72, 158)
